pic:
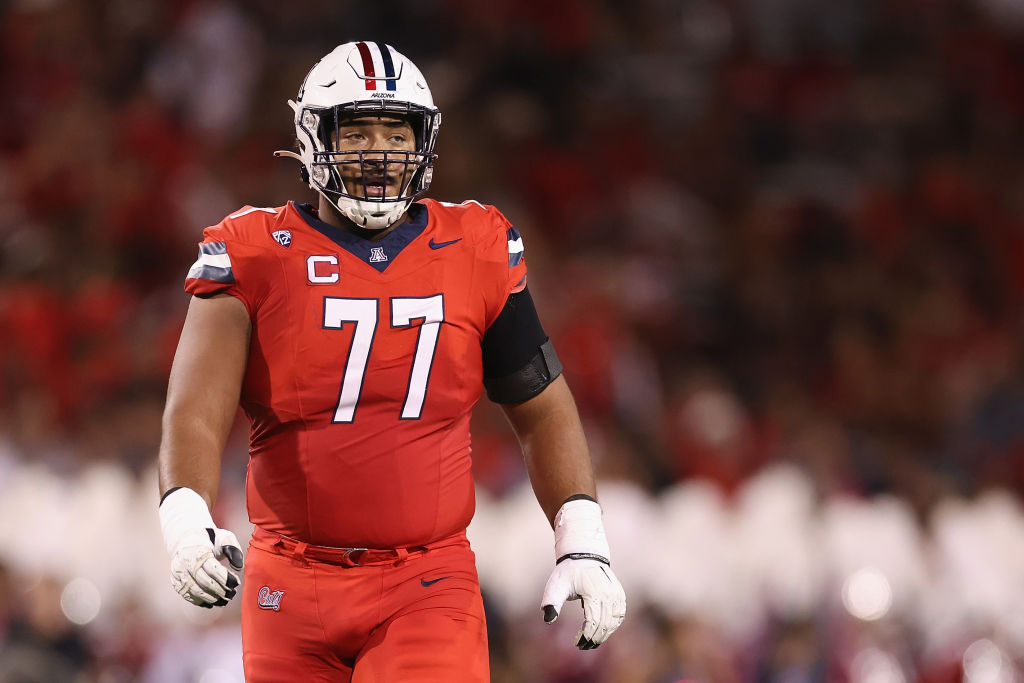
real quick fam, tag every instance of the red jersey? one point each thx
(364, 364)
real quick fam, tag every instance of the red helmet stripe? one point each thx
(364, 52)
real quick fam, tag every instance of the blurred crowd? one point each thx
(779, 245)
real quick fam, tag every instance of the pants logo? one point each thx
(269, 599)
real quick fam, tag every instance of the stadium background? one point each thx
(778, 243)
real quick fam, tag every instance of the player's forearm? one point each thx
(190, 455)
(554, 447)
(203, 394)
(558, 471)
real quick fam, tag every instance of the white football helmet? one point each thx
(364, 78)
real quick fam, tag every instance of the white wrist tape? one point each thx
(579, 533)
(182, 513)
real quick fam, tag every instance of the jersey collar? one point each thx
(379, 254)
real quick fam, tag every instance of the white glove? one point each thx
(196, 547)
(583, 572)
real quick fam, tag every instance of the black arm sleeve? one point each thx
(518, 358)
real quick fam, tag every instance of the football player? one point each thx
(357, 335)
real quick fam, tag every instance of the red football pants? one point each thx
(417, 618)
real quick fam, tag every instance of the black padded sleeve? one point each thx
(514, 337)
(518, 359)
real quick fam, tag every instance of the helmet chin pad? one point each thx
(370, 215)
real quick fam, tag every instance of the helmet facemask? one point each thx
(372, 188)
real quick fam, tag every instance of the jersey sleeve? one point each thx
(504, 257)
(219, 267)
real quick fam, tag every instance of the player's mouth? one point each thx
(374, 189)
(378, 188)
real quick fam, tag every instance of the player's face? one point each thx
(375, 177)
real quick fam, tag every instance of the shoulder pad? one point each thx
(250, 224)
(480, 221)
(467, 204)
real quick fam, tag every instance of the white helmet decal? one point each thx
(364, 77)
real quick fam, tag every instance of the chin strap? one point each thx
(364, 218)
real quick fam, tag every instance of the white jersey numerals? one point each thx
(431, 310)
(363, 314)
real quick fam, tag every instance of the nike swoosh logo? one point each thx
(438, 245)
(426, 583)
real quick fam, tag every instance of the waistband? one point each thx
(348, 557)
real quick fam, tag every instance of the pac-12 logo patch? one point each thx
(268, 599)
(282, 237)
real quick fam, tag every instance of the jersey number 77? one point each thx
(363, 314)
